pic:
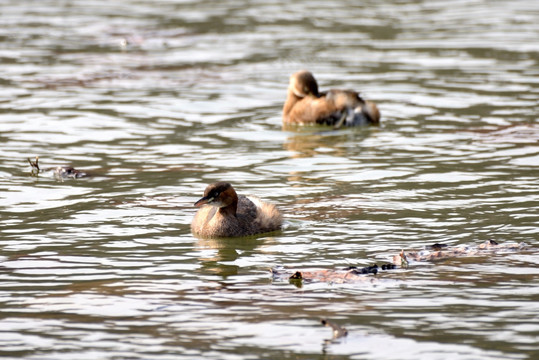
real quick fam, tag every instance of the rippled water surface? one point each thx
(159, 98)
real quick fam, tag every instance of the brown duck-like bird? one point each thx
(305, 105)
(225, 214)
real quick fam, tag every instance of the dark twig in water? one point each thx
(373, 269)
(35, 166)
(404, 260)
(437, 246)
(296, 279)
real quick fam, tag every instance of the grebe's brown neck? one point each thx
(291, 100)
(230, 210)
(301, 85)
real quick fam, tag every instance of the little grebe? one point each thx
(227, 215)
(305, 105)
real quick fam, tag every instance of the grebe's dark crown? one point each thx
(213, 191)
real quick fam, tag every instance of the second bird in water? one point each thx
(306, 105)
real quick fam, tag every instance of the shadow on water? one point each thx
(225, 257)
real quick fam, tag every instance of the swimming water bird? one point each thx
(306, 105)
(225, 214)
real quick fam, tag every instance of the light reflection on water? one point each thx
(156, 101)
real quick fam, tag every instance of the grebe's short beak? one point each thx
(203, 201)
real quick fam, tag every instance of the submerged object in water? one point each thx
(59, 172)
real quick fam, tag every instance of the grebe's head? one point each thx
(303, 84)
(219, 194)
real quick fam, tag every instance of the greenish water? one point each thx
(158, 99)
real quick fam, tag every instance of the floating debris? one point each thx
(404, 261)
(59, 172)
(438, 252)
(437, 246)
(338, 331)
(34, 165)
(371, 269)
(350, 274)
(353, 274)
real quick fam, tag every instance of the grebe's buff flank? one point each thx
(306, 105)
(225, 214)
